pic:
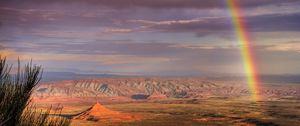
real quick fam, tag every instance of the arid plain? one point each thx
(170, 102)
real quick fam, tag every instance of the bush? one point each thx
(15, 93)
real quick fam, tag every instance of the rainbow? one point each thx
(245, 46)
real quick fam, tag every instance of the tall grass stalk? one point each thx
(15, 97)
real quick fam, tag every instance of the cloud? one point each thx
(116, 59)
(101, 46)
(119, 30)
(200, 25)
(205, 47)
(65, 34)
(100, 20)
(203, 4)
(220, 25)
(287, 46)
(150, 35)
(168, 22)
(274, 22)
(135, 60)
(23, 15)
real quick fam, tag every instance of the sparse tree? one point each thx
(15, 95)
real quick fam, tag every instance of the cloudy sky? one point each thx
(163, 37)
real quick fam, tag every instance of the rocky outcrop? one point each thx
(100, 113)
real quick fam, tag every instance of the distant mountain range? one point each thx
(152, 88)
(56, 76)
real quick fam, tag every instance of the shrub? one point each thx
(15, 93)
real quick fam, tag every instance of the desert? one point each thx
(164, 101)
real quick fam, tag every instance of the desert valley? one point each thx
(170, 102)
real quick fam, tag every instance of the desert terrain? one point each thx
(170, 102)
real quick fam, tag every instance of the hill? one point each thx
(132, 89)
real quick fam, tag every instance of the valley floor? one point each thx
(214, 111)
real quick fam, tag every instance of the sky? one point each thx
(157, 37)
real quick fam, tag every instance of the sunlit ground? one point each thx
(195, 112)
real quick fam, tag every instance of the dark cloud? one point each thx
(274, 22)
(145, 29)
(83, 13)
(153, 3)
(30, 17)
